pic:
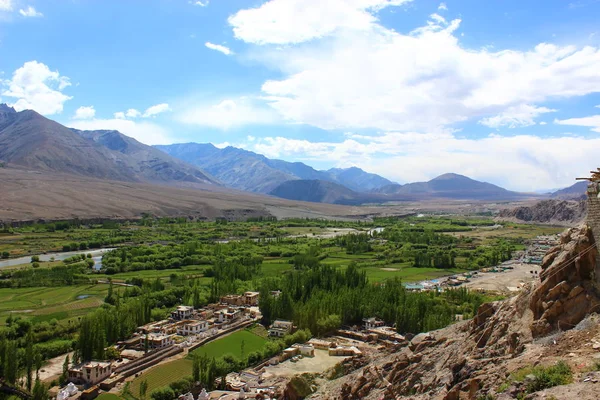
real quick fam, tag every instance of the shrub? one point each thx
(547, 377)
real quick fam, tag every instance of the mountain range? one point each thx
(27, 139)
(31, 142)
(246, 170)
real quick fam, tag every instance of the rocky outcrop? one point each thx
(547, 212)
(569, 283)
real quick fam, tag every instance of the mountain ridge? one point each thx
(258, 173)
(30, 140)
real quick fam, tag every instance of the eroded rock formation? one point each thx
(569, 283)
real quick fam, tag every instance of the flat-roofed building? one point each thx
(280, 328)
(228, 315)
(192, 327)
(373, 322)
(183, 312)
(90, 372)
(156, 341)
(251, 298)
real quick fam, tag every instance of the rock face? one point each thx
(569, 283)
(548, 211)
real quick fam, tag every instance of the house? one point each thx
(280, 328)
(251, 298)
(228, 315)
(156, 341)
(183, 312)
(345, 351)
(373, 322)
(233, 299)
(288, 353)
(307, 350)
(90, 373)
(192, 327)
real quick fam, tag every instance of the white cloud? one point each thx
(296, 21)
(592, 122)
(351, 72)
(36, 87)
(145, 132)
(598, 106)
(543, 123)
(443, 7)
(438, 18)
(119, 115)
(223, 49)
(133, 113)
(228, 113)
(515, 117)
(156, 109)
(85, 112)
(527, 162)
(30, 12)
(200, 3)
(6, 5)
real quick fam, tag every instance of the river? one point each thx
(96, 256)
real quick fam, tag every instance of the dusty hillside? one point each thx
(560, 212)
(475, 359)
(32, 195)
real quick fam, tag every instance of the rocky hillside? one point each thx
(29, 140)
(559, 212)
(318, 191)
(246, 170)
(450, 186)
(575, 191)
(493, 355)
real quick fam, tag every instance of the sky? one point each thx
(504, 91)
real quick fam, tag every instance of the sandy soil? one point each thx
(505, 281)
(54, 367)
(317, 364)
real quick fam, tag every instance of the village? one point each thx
(188, 328)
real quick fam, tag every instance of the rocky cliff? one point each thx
(560, 212)
(473, 359)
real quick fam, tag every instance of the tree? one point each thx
(38, 360)
(65, 371)
(196, 368)
(29, 360)
(163, 394)
(143, 389)
(11, 362)
(35, 259)
(40, 391)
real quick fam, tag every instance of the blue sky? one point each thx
(504, 91)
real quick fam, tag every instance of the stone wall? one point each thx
(593, 219)
(593, 216)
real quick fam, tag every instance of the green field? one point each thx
(162, 375)
(109, 396)
(231, 344)
(42, 304)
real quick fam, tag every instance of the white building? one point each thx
(371, 323)
(183, 312)
(228, 315)
(192, 327)
(156, 341)
(90, 372)
(280, 328)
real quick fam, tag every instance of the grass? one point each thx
(545, 377)
(162, 375)
(406, 273)
(46, 303)
(231, 344)
(109, 396)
